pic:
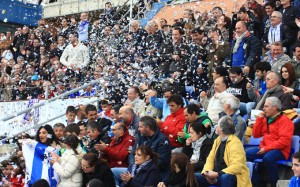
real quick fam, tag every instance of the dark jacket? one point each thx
(103, 173)
(148, 176)
(204, 152)
(252, 50)
(286, 37)
(159, 144)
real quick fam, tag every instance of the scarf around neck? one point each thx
(238, 41)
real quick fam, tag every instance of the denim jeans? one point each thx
(246, 108)
(225, 180)
(269, 161)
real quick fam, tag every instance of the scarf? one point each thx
(266, 95)
(136, 168)
(238, 40)
(274, 34)
(196, 148)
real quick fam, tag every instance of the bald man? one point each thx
(245, 49)
(130, 119)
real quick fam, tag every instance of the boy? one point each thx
(70, 115)
(296, 169)
(106, 108)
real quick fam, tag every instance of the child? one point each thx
(70, 115)
(106, 108)
(295, 182)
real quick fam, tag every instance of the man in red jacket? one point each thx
(119, 148)
(277, 132)
(174, 122)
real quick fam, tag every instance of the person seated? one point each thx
(277, 132)
(198, 146)
(226, 163)
(182, 173)
(192, 114)
(175, 122)
(130, 119)
(144, 171)
(231, 108)
(95, 168)
(116, 152)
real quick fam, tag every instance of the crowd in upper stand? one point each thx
(181, 93)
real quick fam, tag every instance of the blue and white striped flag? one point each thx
(37, 159)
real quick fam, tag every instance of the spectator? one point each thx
(245, 48)
(70, 115)
(296, 62)
(149, 109)
(95, 168)
(83, 28)
(144, 171)
(276, 57)
(75, 55)
(68, 166)
(181, 172)
(278, 33)
(237, 87)
(59, 131)
(216, 104)
(134, 101)
(296, 162)
(220, 168)
(231, 108)
(198, 146)
(276, 144)
(130, 119)
(80, 113)
(174, 123)
(91, 113)
(118, 150)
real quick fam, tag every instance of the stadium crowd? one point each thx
(178, 97)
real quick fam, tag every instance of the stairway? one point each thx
(153, 11)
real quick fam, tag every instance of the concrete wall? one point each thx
(66, 7)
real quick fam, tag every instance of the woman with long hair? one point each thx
(68, 166)
(95, 168)
(223, 24)
(288, 75)
(45, 135)
(182, 172)
(144, 171)
(198, 146)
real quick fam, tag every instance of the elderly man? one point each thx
(276, 56)
(226, 163)
(216, 104)
(277, 131)
(150, 110)
(231, 108)
(278, 33)
(134, 101)
(245, 49)
(83, 27)
(274, 89)
(117, 151)
(76, 55)
(130, 119)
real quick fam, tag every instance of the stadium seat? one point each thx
(294, 148)
(253, 142)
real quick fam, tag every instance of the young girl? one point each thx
(295, 182)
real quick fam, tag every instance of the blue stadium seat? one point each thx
(294, 148)
(253, 142)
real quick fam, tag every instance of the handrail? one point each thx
(44, 122)
(61, 96)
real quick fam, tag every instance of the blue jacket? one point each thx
(148, 176)
(294, 182)
(159, 144)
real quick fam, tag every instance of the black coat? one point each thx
(149, 175)
(204, 152)
(103, 173)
